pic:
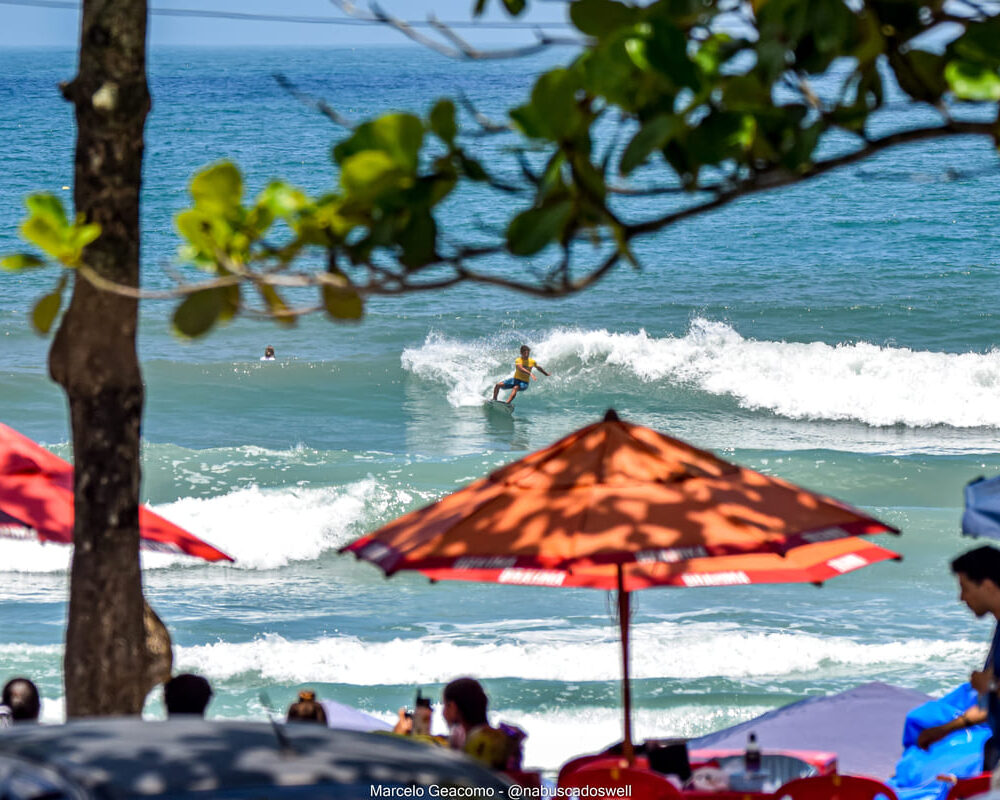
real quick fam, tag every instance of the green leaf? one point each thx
(19, 261)
(282, 199)
(401, 135)
(920, 74)
(418, 240)
(343, 303)
(198, 313)
(600, 18)
(47, 308)
(653, 135)
(553, 112)
(83, 234)
(199, 229)
(972, 81)
(666, 51)
(49, 207)
(369, 173)
(980, 43)
(219, 188)
(41, 231)
(276, 304)
(532, 230)
(514, 7)
(442, 120)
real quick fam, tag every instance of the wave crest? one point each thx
(873, 384)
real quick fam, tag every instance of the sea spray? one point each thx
(872, 384)
(261, 529)
(268, 529)
(466, 372)
(660, 651)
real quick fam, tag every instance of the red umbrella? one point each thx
(619, 506)
(36, 502)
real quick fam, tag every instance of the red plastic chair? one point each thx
(835, 787)
(968, 787)
(574, 764)
(645, 785)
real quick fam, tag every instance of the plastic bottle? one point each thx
(751, 759)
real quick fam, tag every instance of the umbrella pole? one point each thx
(623, 619)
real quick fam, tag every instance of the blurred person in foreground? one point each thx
(465, 705)
(307, 709)
(21, 702)
(186, 694)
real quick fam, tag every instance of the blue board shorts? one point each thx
(510, 383)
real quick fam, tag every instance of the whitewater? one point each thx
(841, 335)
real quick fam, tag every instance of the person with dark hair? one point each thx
(307, 709)
(978, 574)
(465, 705)
(522, 375)
(186, 694)
(21, 696)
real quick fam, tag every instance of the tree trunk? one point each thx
(94, 358)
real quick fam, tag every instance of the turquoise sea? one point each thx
(841, 334)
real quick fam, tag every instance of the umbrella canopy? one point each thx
(36, 502)
(619, 506)
(982, 508)
(611, 493)
(811, 563)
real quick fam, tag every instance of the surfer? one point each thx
(522, 374)
(268, 354)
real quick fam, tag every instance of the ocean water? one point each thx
(841, 334)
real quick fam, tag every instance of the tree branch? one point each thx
(322, 106)
(460, 48)
(765, 181)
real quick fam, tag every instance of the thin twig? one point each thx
(307, 99)
(484, 122)
(460, 48)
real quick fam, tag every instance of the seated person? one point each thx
(974, 715)
(417, 722)
(464, 710)
(307, 709)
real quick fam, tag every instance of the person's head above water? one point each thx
(978, 573)
(269, 352)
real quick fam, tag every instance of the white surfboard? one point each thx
(500, 407)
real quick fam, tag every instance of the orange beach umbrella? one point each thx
(619, 506)
(36, 502)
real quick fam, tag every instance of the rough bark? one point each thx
(94, 358)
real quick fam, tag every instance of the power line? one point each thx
(67, 5)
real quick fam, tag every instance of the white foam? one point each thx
(876, 385)
(554, 737)
(468, 370)
(660, 650)
(265, 529)
(261, 529)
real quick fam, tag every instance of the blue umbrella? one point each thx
(982, 508)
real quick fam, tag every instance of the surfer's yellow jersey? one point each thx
(521, 369)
